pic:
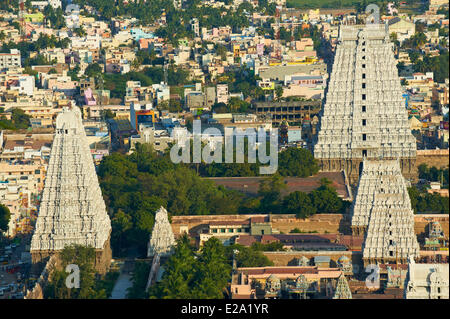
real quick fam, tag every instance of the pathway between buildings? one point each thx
(124, 281)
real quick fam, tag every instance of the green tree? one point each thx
(297, 162)
(179, 274)
(93, 70)
(326, 200)
(299, 203)
(84, 258)
(5, 216)
(270, 190)
(248, 257)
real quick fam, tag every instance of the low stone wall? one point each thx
(288, 258)
(437, 158)
(321, 223)
(38, 290)
(198, 220)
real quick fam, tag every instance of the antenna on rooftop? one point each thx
(22, 19)
(100, 89)
(165, 71)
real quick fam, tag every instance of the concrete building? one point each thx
(402, 28)
(10, 60)
(222, 93)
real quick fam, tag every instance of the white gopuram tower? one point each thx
(72, 209)
(364, 114)
(162, 239)
(342, 289)
(382, 211)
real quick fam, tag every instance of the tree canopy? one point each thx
(90, 286)
(5, 216)
(190, 275)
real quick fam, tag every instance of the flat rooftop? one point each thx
(250, 185)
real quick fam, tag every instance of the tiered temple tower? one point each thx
(342, 289)
(162, 239)
(72, 208)
(382, 210)
(364, 114)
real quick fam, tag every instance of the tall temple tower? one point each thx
(72, 208)
(382, 211)
(364, 114)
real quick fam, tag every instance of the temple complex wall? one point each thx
(288, 258)
(102, 257)
(353, 168)
(437, 158)
(38, 290)
(322, 223)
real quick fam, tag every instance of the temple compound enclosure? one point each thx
(72, 209)
(364, 114)
(382, 211)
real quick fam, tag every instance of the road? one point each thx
(6, 278)
(124, 280)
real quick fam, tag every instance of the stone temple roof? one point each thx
(72, 208)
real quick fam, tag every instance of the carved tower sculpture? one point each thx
(382, 211)
(364, 114)
(72, 209)
(162, 239)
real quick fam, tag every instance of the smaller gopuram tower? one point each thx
(162, 239)
(382, 211)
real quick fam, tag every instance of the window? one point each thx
(363, 108)
(364, 153)
(364, 97)
(222, 230)
(364, 57)
(364, 122)
(363, 75)
(391, 253)
(364, 137)
(363, 66)
(364, 85)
